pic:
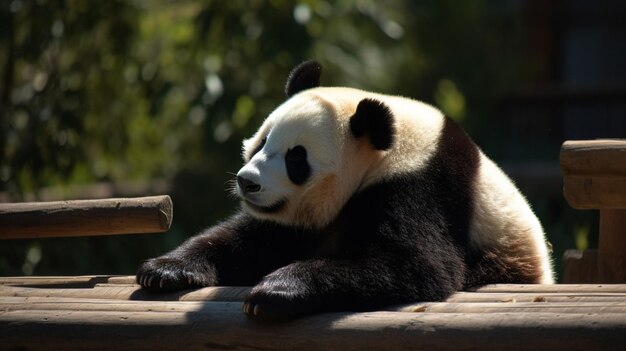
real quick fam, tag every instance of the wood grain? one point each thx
(85, 217)
(111, 312)
(612, 246)
(220, 327)
(594, 173)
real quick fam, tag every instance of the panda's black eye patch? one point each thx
(298, 169)
(296, 154)
(259, 147)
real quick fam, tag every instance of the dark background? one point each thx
(132, 98)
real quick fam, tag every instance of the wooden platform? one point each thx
(103, 312)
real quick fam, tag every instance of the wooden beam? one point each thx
(13, 303)
(34, 316)
(51, 288)
(223, 327)
(594, 173)
(85, 217)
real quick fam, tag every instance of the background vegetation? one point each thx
(138, 93)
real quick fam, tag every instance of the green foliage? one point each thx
(124, 90)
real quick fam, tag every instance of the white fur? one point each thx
(502, 219)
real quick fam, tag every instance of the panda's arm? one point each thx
(385, 270)
(238, 251)
(335, 284)
(388, 250)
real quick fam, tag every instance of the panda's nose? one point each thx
(247, 186)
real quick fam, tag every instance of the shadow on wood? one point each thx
(101, 315)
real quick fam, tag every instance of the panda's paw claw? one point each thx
(265, 305)
(166, 274)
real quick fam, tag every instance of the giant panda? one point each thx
(353, 201)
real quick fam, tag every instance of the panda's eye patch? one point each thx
(298, 169)
(259, 147)
(297, 154)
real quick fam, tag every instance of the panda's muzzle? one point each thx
(247, 186)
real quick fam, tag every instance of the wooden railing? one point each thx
(594, 177)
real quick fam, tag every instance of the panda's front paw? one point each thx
(170, 274)
(277, 301)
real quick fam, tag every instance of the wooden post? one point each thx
(85, 217)
(612, 246)
(594, 177)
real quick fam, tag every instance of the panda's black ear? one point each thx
(305, 76)
(374, 119)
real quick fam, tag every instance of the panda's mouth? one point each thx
(266, 209)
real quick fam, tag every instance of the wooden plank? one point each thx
(554, 288)
(129, 279)
(594, 173)
(125, 291)
(85, 217)
(612, 246)
(130, 292)
(68, 304)
(11, 303)
(220, 328)
(576, 317)
(519, 307)
(111, 280)
(471, 297)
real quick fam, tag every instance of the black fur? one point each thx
(374, 119)
(398, 241)
(305, 76)
(298, 168)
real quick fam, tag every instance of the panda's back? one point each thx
(484, 210)
(502, 230)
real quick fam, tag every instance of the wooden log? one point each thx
(85, 217)
(594, 173)
(85, 281)
(219, 328)
(79, 281)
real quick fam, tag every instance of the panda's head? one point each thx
(313, 152)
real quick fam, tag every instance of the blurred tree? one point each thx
(133, 90)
